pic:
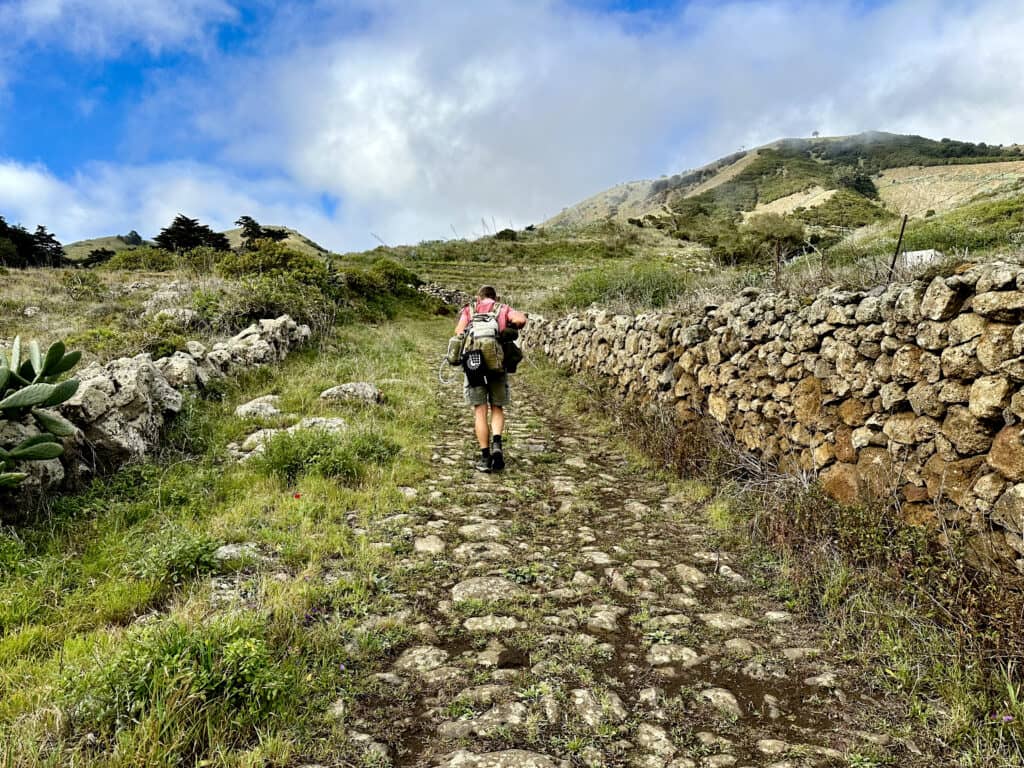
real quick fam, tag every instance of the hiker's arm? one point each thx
(463, 322)
(516, 319)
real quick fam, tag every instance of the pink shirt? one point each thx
(485, 305)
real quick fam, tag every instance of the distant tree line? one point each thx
(21, 248)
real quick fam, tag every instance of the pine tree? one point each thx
(184, 234)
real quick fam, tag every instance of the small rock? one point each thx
(772, 747)
(264, 407)
(687, 574)
(429, 545)
(420, 660)
(489, 588)
(725, 622)
(722, 700)
(361, 391)
(594, 711)
(667, 653)
(491, 623)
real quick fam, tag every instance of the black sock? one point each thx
(496, 441)
(485, 453)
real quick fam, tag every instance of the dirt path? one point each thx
(571, 611)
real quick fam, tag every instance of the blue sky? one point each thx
(414, 119)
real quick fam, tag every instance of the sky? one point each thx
(398, 121)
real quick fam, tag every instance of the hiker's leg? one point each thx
(497, 419)
(480, 425)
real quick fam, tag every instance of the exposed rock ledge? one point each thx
(121, 407)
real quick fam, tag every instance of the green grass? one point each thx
(625, 287)
(243, 686)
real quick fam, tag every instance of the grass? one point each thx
(914, 615)
(116, 644)
(624, 287)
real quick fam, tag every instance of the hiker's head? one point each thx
(487, 292)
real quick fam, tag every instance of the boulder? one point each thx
(940, 302)
(989, 396)
(966, 432)
(1009, 510)
(1007, 453)
(999, 305)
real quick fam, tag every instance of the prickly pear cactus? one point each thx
(29, 385)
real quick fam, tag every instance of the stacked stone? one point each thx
(912, 391)
(449, 296)
(121, 407)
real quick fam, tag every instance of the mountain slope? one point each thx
(747, 181)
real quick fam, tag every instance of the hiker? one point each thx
(491, 386)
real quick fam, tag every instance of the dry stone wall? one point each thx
(121, 407)
(913, 391)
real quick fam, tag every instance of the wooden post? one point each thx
(892, 266)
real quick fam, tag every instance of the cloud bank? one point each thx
(426, 117)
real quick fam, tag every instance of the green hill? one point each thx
(831, 186)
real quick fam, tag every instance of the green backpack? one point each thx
(483, 337)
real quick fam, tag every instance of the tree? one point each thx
(775, 234)
(39, 249)
(183, 234)
(48, 250)
(252, 231)
(859, 182)
(132, 238)
(8, 251)
(815, 134)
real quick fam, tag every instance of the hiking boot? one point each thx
(483, 464)
(497, 459)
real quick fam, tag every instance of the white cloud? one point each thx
(438, 114)
(422, 116)
(106, 26)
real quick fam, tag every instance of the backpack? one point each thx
(482, 351)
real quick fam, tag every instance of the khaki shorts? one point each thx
(495, 391)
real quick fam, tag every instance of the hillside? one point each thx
(909, 174)
(79, 250)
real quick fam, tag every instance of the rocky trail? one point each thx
(573, 611)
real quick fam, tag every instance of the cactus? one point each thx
(29, 385)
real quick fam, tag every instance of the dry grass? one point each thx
(809, 198)
(916, 190)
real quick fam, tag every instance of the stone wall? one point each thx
(121, 407)
(913, 392)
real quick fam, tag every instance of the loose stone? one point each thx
(487, 588)
(722, 700)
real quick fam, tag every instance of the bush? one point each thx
(626, 287)
(272, 295)
(79, 285)
(290, 455)
(178, 555)
(146, 258)
(186, 687)
(276, 259)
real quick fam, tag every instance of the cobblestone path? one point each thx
(573, 611)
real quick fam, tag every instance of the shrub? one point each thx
(146, 258)
(178, 555)
(270, 258)
(162, 336)
(186, 686)
(79, 285)
(289, 455)
(623, 286)
(272, 295)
